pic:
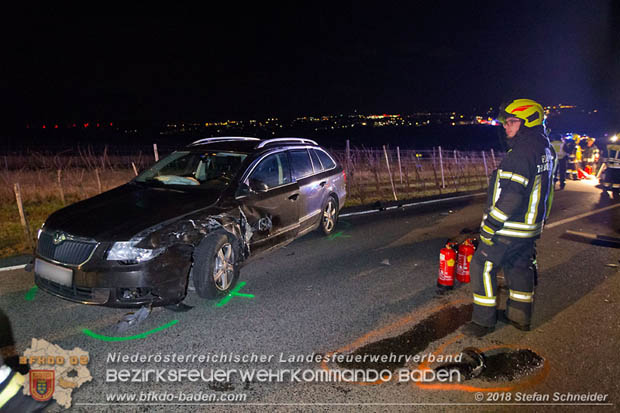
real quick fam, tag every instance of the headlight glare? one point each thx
(127, 251)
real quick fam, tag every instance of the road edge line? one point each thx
(431, 201)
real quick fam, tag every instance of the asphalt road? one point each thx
(371, 281)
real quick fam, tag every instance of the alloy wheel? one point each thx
(224, 268)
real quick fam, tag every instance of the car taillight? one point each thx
(344, 176)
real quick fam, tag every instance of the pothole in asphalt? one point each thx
(435, 327)
(496, 365)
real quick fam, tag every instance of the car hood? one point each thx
(121, 213)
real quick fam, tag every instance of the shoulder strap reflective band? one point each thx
(486, 301)
(15, 385)
(532, 208)
(524, 297)
(513, 177)
(496, 188)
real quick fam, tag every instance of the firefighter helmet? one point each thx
(529, 111)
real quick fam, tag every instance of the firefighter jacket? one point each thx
(521, 189)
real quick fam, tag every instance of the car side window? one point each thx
(300, 163)
(315, 161)
(326, 160)
(273, 170)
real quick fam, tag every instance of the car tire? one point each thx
(216, 265)
(329, 216)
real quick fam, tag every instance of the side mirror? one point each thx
(257, 185)
(243, 189)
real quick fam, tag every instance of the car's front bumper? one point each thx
(160, 281)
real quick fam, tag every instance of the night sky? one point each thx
(244, 62)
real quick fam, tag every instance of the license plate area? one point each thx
(54, 273)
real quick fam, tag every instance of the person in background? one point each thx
(570, 149)
(591, 155)
(560, 149)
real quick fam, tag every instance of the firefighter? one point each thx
(12, 380)
(518, 204)
(570, 149)
(591, 155)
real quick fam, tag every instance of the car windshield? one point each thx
(210, 169)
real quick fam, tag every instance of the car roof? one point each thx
(247, 144)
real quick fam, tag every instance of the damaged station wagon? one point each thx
(190, 221)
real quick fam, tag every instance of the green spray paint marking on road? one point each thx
(136, 337)
(234, 293)
(337, 235)
(31, 293)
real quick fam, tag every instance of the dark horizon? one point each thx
(293, 61)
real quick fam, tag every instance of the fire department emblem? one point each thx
(41, 384)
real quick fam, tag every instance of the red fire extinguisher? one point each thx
(447, 260)
(466, 253)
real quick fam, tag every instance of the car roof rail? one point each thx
(285, 140)
(222, 139)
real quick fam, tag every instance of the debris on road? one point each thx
(133, 319)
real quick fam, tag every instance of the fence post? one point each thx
(98, 179)
(458, 170)
(155, 152)
(493, 157)
(400, 168)
(435, 172)
(443, 181)
(348, 157)
(486, 171)
(58, 179)
(387, 162)
(22, 214)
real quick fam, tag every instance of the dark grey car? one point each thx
(195, 216)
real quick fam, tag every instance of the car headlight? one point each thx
(127, 252)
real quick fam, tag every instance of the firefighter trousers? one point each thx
(515, 257)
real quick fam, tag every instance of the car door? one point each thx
(271, 203)
(310, 187)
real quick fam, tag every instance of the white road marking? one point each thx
(432, 201)
(15, 267)
(576, 217)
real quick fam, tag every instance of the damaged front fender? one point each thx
(191, 230)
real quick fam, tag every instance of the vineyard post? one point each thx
(486, 171)
(443, 181)
(387, 162)
(155, 152)
(400, 168)
(98, 180)
(59, 180)
(22, 215)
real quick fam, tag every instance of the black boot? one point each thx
(519, 326)
(472, 329)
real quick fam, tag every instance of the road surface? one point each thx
(369, 288)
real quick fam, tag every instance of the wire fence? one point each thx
(393, 174)
(372, 174)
